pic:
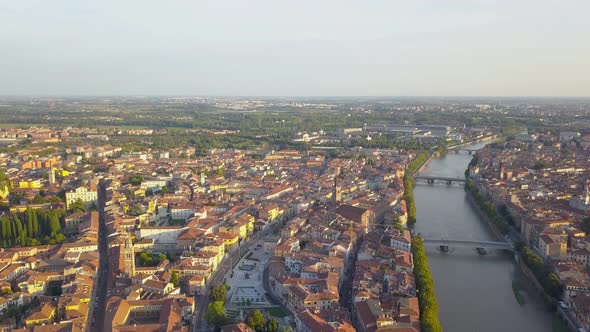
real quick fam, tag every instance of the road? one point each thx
(99, 296)
(226, 265)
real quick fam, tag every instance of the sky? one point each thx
(295, 48)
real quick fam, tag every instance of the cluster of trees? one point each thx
(174, 278)
(390, 141)
(425, 284)
(40, 199)
(442, 150)
(4, 180)
(487, 207)
(409, 197)
(409, 184)
(259, 323)
(539, 165)
(215, 314)
(134, 180)
(417, 162)
(31, 228)
(79, 206)
(147, 258)
(585, 225)
(542, 272)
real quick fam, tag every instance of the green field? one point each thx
(276, 312)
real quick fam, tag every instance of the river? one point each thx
(474, 292)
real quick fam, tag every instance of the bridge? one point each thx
(447, 179)
(445, 244)
(470, 151)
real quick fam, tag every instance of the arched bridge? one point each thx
(457, 150)
(470, 244)
(446, 179)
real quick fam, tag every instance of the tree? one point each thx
(285, 329)
(425, 284)
(164, 190)
(174, 278)
(77, 206)
(218, 293)
(215, 314)
(145, 259)
(272, 325)
(256, 320)
(161, 257)
(585, 226)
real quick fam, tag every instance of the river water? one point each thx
(474, 292)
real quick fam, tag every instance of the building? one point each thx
(82, 194)
(129, 257)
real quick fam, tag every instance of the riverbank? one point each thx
(425, 284)
(427, 302)
(473, 293)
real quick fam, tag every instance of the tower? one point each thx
(129, 257)
(337, 187)
(501, 170)
(52, 176)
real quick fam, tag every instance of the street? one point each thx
(99, 296)
(226, 265)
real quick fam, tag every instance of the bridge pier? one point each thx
(444, 248)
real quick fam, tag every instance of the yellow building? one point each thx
(239, 228)
(152, 206)
(220, 186)
(4, 192)
(44, 316)
(230, 239)
(29, 184)
(274, 212)
(139, 193)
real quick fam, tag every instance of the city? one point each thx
(294, 166)
(109, 228)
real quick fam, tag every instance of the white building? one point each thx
(83, 194)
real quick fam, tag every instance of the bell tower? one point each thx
(337, 187)
(129, 257)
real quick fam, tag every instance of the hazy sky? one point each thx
(295, 48)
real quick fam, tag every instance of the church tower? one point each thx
(337, 187)
(129, 257)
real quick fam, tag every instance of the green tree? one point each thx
(54, 225)
(218, 293)
(426, 299)
(145, 259)
(164, 190)
(256, 320)
(585, 225)
(161, 257)
(77, 206)
(5, 183)
(174, 278)
(272, 325)
(215, 314)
